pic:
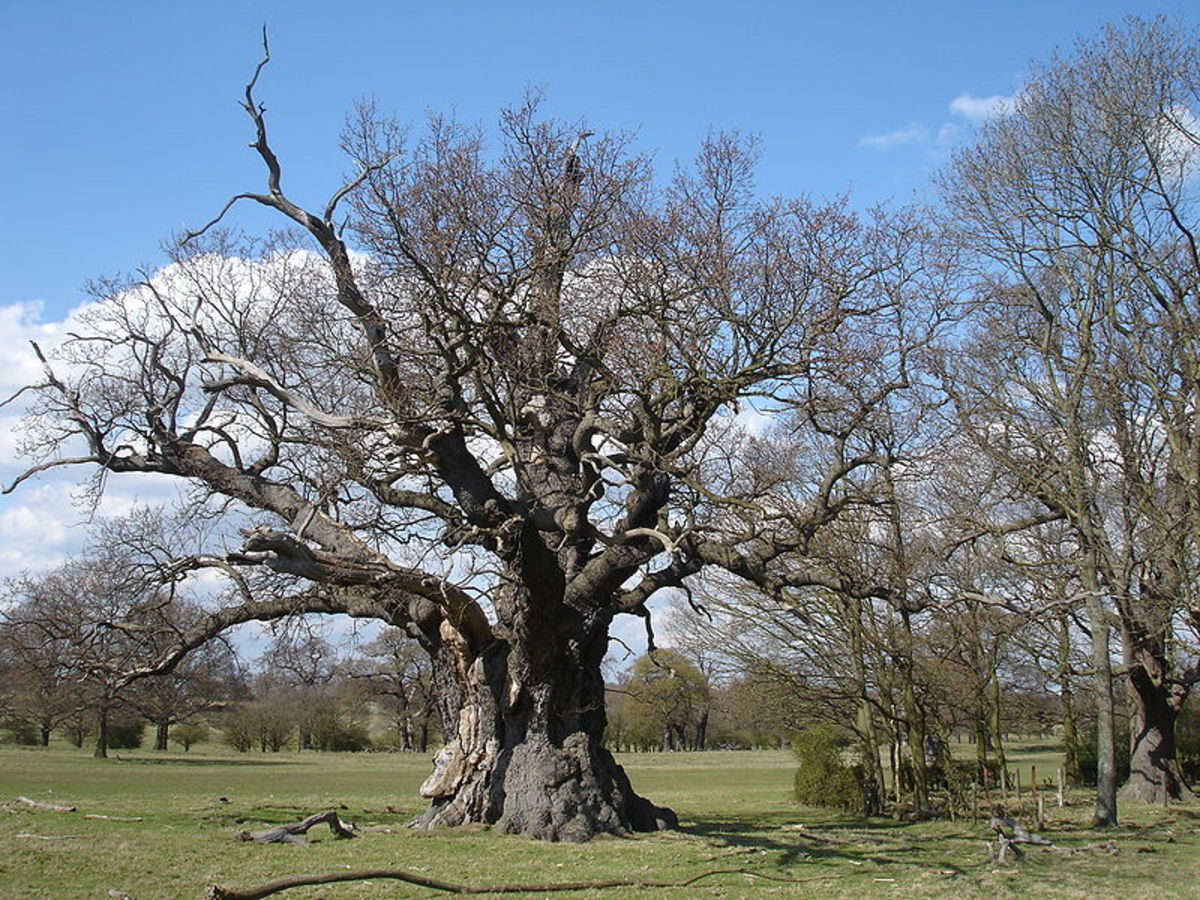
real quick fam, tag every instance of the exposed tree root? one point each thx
(216, 892)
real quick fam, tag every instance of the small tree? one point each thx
(671, 696)
(188, 734)
(823, 778)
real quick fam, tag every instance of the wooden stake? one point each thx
(1060, 788)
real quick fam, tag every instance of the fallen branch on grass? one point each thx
(40, 805)
(216, 892)
(290, 834)
(1019, 834)
(1007, 845)
(51, 837)
(1109, 847)
(115, 818)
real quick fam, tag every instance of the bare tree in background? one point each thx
(393, 670)
(297, 668)
(1083, 378)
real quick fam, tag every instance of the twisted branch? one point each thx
(216, 892)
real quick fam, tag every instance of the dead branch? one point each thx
(1003, 846)
(290, 834)
(40, 805)
(115, 818)
(216, 892)
(1007, 844)
(1019, 834)
(51, 837)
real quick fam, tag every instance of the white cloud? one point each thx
(937, 139)
(913, 134)
(41, 522)
(979, 108)
(947, 134)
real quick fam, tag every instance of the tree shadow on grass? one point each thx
(878, 842)
(203, 761)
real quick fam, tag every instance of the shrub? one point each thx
(955, 777)
(822, 778)
(15, 730)
(1187, 744)
(188, 734)
(125, 733)
(262, 723)
(1087, 754)
(333, 730)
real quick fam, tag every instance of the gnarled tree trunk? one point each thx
(1154, 771)
(524, 721)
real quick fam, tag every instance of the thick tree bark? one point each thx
(1154, 771)
(162, 733)
(996, 725)
(525, 721)
(915, 731)
(914, 718)
(101, 751)
(980, 734)
(702, 731)
(1106, 768)
(1070, 730)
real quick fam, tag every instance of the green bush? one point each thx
(333, 730)
(15, 730)
(1087, 754)
(125, 733)
(822, 777)
(1187, 744)
(264, 724)
(188, 734)
(955, 777)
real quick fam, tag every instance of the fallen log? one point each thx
(216, 892)
(290, 834)
(38, 804)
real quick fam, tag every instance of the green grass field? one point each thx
(735, 808)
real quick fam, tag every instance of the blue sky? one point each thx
(121, 123)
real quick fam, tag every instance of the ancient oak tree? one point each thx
(496, 397)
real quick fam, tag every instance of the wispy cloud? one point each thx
(936, 140)
(913, 134)
(979, 108)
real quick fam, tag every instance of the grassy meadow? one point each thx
(735, 807)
